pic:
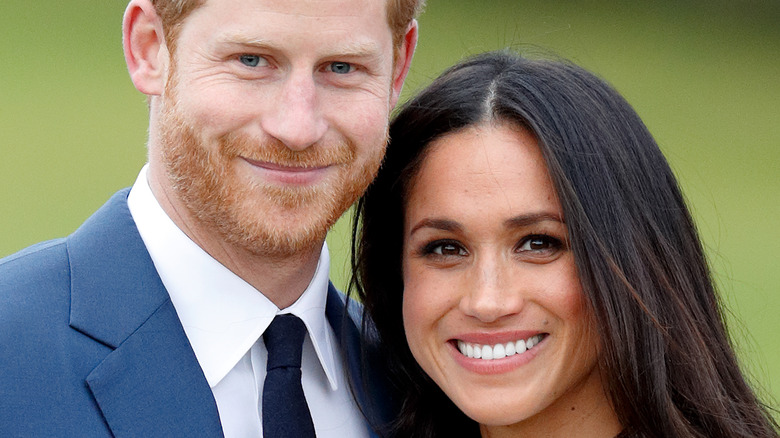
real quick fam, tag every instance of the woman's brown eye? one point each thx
(445, 248)
(539, 243)
(450, 250)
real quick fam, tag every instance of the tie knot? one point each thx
(284, 341)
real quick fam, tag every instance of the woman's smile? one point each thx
(493, 307)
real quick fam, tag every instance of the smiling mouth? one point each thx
(301, 167)
(499, 351)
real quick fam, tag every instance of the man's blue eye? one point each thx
(250, 60)
(340, 67)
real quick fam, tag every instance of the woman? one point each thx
(527, 238)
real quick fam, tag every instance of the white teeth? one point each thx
(498, 351)
(510, 349)
(520, 346)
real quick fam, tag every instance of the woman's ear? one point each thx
(143, 41)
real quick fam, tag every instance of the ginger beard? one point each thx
(265, 219)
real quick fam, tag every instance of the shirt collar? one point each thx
(222, 315)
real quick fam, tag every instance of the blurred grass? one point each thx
(702, 74)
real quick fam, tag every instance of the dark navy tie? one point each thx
(285, 412)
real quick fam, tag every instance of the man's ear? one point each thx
(403, 61)
(146, 54)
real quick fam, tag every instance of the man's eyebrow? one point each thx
(243, 40)
(353, 49)
(439, 224)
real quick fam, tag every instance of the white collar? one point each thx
(222, 315)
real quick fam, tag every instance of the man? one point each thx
(268, 119)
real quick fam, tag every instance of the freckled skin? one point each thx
(490, 277)
(272, 120)
(291, 96)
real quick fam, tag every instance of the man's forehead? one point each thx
(354, 24)
(293, 16)
(309, 8)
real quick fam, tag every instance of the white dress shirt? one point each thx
(224, 318)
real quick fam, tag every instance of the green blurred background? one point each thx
(704, 75)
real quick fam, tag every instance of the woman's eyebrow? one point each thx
(525, 220)
(520, 221)
(437, 223)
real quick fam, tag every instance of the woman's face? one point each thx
(493, 308)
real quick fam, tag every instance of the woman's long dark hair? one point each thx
(668, 365)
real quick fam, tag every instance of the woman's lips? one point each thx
(499, 350)
(491, 357)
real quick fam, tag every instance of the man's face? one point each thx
(274, 116)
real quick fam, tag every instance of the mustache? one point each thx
(274, 151)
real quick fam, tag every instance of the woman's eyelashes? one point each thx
(443, 248)
(534, 247)
(539, 243)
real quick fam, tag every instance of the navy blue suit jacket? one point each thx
(91, 345)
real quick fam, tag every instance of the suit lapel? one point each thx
(151, 383)
(366, 363)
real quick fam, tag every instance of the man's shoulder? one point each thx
(35, 302)
(40, 351)
(36, 263)
(39, 276)
(32, 254)
(34, 311)
(354, 308)
(25, 274)
(346, 308)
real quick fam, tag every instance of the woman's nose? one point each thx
(491, 292)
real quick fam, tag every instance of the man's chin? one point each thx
(277, 245)
(279, 231)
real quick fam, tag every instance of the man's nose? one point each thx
(294, 116)
(491, 292)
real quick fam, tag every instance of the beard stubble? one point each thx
(269, 220)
